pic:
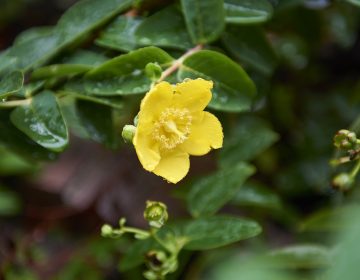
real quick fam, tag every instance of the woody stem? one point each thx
(177, 63)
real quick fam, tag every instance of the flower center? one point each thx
(172, 127)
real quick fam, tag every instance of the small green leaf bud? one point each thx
(128, 133)
(345, 139)
(343, 181)
(136, 119)
(106, 230)
(153, 71)
(155, 260)
(151, 275)
(156, 213)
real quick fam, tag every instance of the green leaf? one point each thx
(329, 219)
(304, 256)
(11, 164)
(233, 89)
(87, 15)
(125, 74)
(97, 121)
(213, 232)
(78, 21)
(42, 121)
(256, 195)
(11, 83)
(209, 194)
(205, 19)
(355, 2)
(19, 143)
(232, 263)
(60, 70)
(250, 46)
(347, 255)
(114, 102)
(119, 35)
(247, 140)
(84, 57)
(30, 89)
(10, 204)
(165, 28)
(33, 33)
(7, 62)
(247, 12)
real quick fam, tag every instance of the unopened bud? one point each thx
(345, 139)
(128, 133)
(155, 260)
(153, 71)
(156, 213)
(343, 181)
(106, 230)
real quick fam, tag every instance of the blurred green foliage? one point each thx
(286, 78)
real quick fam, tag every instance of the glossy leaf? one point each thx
(119, 35)
(233, 89)
(247, 12)
(84, 57)
(205, 19)
(255, 195)
(76, 23)
(60, 70)
(19, 143)
(11, 83)
(125, 74)
(304, 256)
(165, 28)
(87, 15)
(42, 121)
(250, 46)
(251, 137)
(213, 232)
(209, 194)
(97, 121)
(114, 102)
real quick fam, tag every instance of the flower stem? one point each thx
(177, 63)
(15, 103)
(355, 170)
(142, 233)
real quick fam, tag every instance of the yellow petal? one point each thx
(205, 134)
(194, 95)
(155, 101)
(173, 166)
(146, 148)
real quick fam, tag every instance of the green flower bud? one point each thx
(156, 214)
(128, 133)
(106, 230)
(150, 275)
(345, 139)
(155, 260)
(343, 181)
(153, 71)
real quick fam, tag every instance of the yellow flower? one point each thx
(172, 125)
